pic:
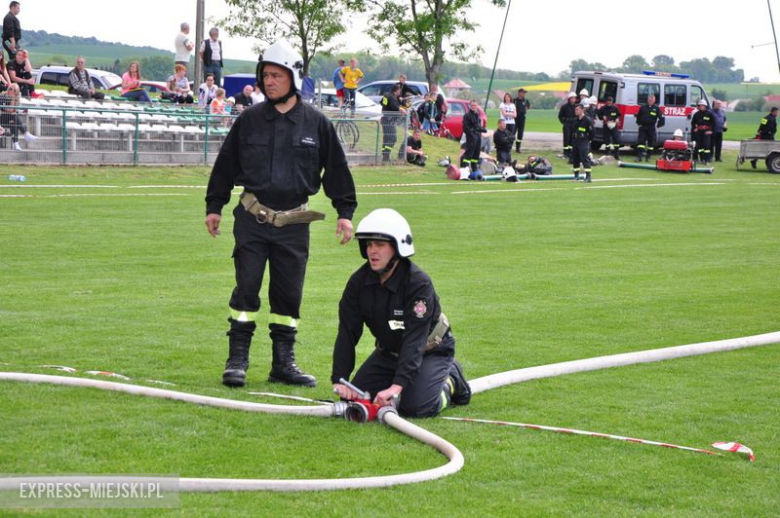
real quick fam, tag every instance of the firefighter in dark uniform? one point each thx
(414, 356)
(566, 118)
(276, 151)
(767, 129)
(473, 129)
(701, 131)
(649, 117)
(610, 115)
(521, 108)
(582, 132)
(391, 111)
(502, 139)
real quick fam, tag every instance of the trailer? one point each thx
(766, 150)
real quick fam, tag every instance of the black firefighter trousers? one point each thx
(286, 251)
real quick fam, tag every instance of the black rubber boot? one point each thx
(461, 392)
(284, 369)
(240, 338)
(587, 177)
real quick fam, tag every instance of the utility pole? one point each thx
(495, 63)
(199, 37)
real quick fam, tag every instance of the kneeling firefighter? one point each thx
(277, 151)
(414, 357)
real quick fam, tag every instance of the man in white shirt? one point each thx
(184, 45)
(211, 53)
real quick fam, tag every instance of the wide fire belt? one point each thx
(278, 218)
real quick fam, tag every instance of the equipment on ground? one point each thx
(676, 157)
(755, 150)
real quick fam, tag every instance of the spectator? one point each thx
(244, 98)
(406, 91)
(426, 112)
(179, 86)
(440, 102)
(503, 139)
(131, 84)
(217, 105)
(212, 54)
(12, 31)
(414, 152)
(19, 71)
(508, 113)
(5, 80)
(80, 82)
(338, 83)
(10, 117)
(719, 127)
(351, 76)
(207, 92)
(183, 45)
(257, 95)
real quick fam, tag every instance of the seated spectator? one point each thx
(179, 86)
(80, 82)
(5, 80)
(244, 99)
(131, 84)
(414, 152)
(503, 140)
(207, 92)
(257, 95)
(19, 71)
(11, 118)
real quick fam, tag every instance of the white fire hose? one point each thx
(386, 415)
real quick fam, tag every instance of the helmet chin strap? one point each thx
(390, 264)
(283, 99)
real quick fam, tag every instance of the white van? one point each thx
(677, 95)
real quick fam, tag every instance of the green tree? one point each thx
(663, 62)
(430, 29)
(156, 68)
(308, 24)
(634, 64)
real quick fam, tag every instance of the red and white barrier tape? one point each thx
(727, 446)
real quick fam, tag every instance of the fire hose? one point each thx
(385, 415)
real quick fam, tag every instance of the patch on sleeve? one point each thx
(420, 308)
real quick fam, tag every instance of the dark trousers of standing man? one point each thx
(580, 155)
(423, 396)
(717, 145)
(703, 145)
(389, 137)
(470, 156)
(567, 129)
(611, 140)
(645, 141)
(286, 251)
(519, 131)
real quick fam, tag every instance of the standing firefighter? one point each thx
(701, 131)
(473, 129)
(391, 111)
(566, 117)
(521, 108)
(767, 129)
(414, 356)
(610, 115)
(276, 151)
(648, 118)
(581, 134)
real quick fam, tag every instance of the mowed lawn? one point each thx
(112, 269)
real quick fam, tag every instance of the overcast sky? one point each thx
(541, 36)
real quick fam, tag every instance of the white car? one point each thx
(58, 75)
(364, 107)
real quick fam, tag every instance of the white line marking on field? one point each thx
(764, 183)
(16, 196)
(106, 195)
(406, 184)
(649, 185)
(506, 191)
(55, 186)
(166, 187)
(395, 193)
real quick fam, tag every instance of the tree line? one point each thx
(719, 70)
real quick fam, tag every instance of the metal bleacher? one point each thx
(76, 131)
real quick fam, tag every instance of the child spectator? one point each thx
(207, 92)
(10, 117)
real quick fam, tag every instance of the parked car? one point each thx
(453, 121)
(363, 105)
(378, 89)
(153, 87)
(58, 75)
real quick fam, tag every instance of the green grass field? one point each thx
(112, 269)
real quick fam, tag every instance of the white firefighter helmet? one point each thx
(584, 92)
(385, 225)
(571, 94)
(284, 55)
(678, 132)
(701, 102)
(593, 100)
